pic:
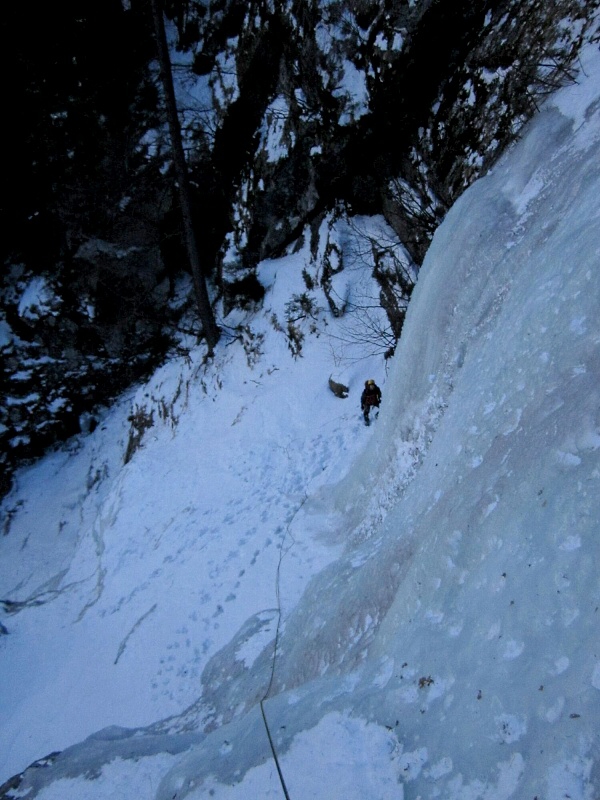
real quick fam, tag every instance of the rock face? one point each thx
(291, 113)
(77, 337)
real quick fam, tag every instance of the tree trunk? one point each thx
(211, 330)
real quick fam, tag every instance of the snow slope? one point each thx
(416, 604)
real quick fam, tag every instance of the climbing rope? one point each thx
(275, 645)
(279, 772)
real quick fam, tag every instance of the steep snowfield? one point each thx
(417, 603)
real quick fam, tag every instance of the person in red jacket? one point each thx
(370, 397)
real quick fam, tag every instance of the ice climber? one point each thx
(371, 396)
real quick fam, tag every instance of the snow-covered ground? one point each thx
(415, 606)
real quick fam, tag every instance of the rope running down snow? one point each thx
(266, 694)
